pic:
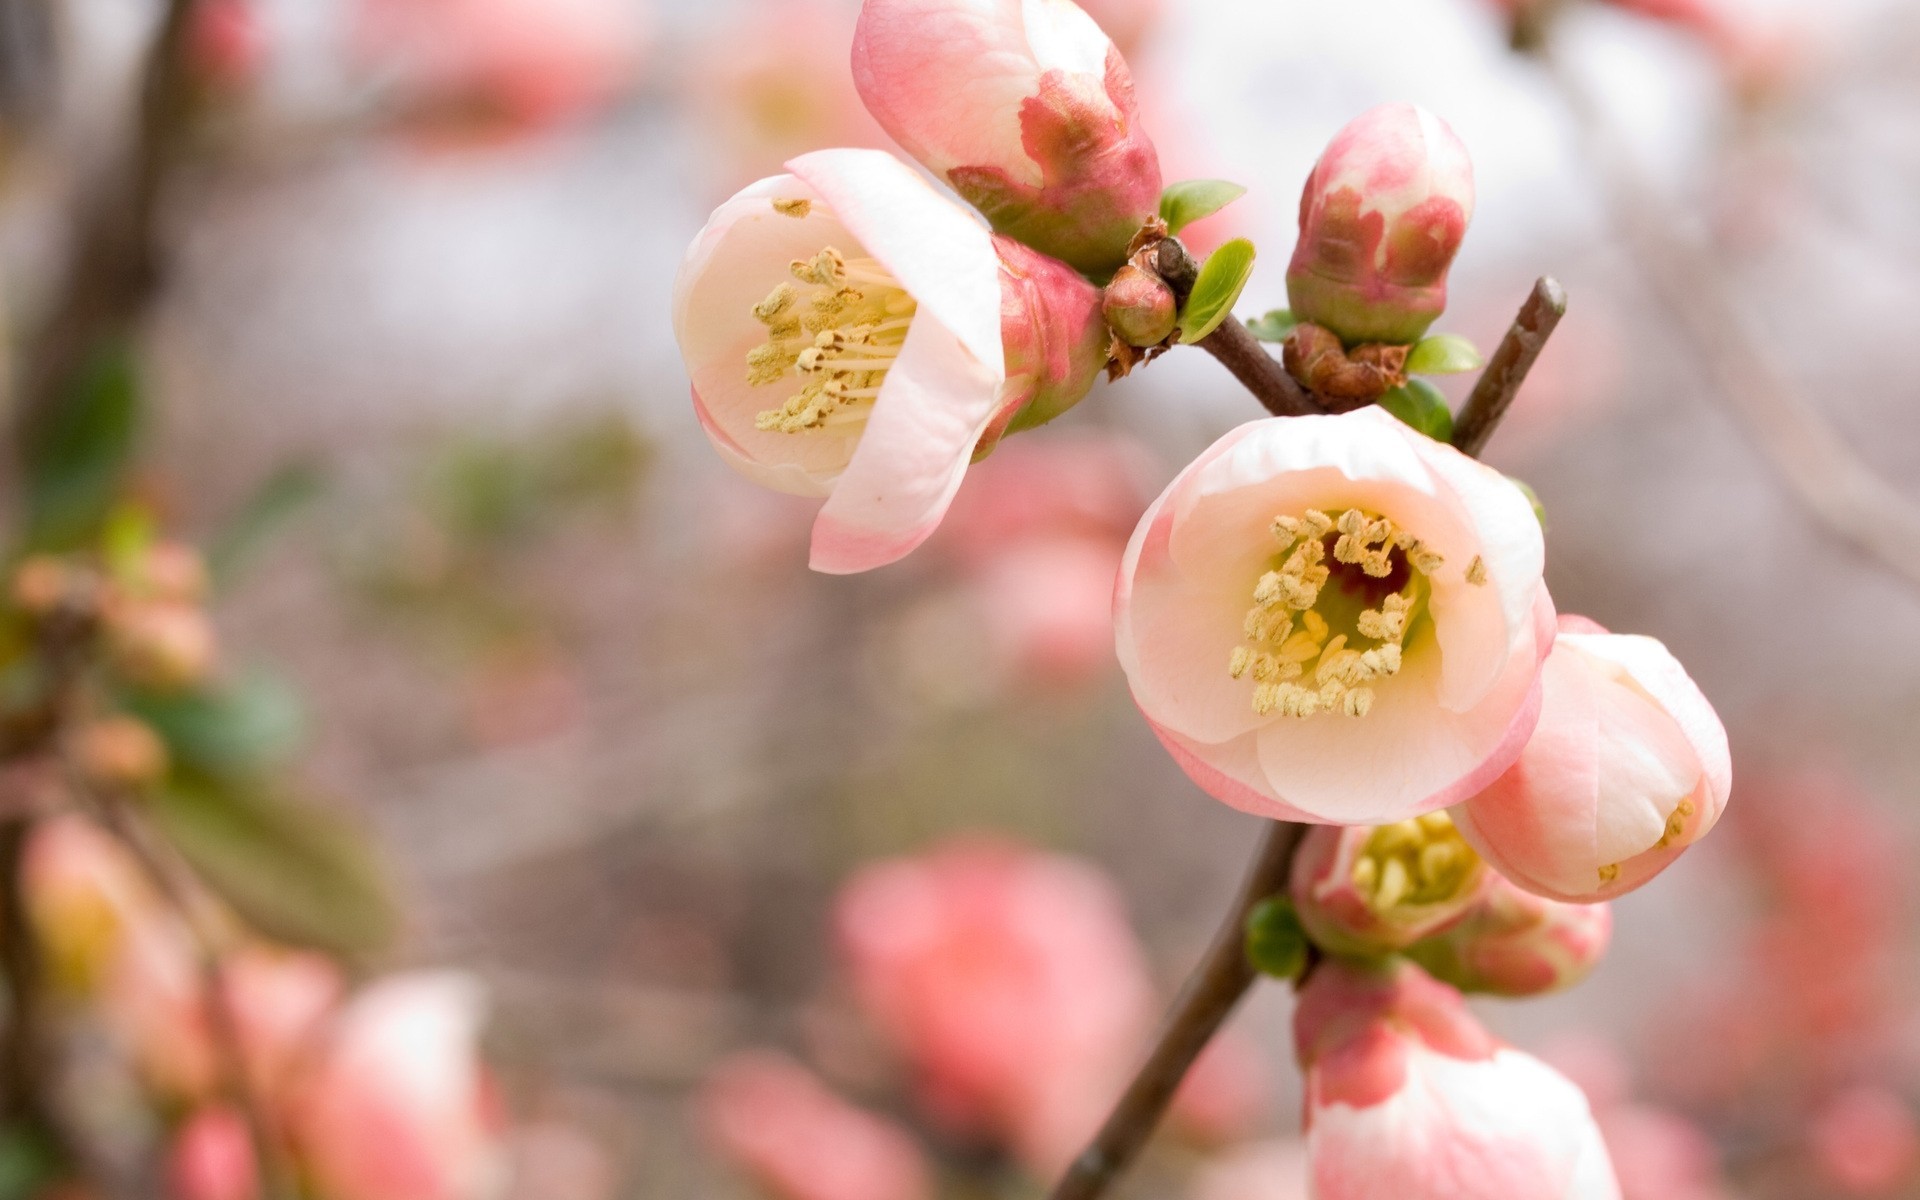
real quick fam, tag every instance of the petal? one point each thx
(1654, 668)
(938, 251)
(931, 410)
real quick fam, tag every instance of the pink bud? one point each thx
(1381, 217)
(1372, 890)
(1514, 943)
(1626, 769)
(802, 1142)
(1408, 1097)
(1053, 335)
(1140, 307)
(212, 1158)
(1025, 107)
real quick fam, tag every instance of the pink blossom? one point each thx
(1866, 1140)
(397, 1108)
(1409, 1099)
(1629, 767)
(853, 334)
(1514, 943)
(1025, 107)
(1009, 981)
(1382, 215)
(84, 892)
(1373, 889)
(1336, 619)
(1660, 1155)
(212, 1158)
(802, 1142)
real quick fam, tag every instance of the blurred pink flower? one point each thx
(1866, 1141)
(1660, 1155)
(84, 893)
(1409, 1099)
(211, 1158)
(397, 1107)
(1383, 213)
(1025, 107)
(556, 1162)
(800, 1141)
(1629, 767)
(1389, 666)
(929, 339)
(483, 69)
(1269, 1170)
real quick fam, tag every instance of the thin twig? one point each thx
(1212, 991)
(1842, 489)
(1500, 382)
(1238, 350)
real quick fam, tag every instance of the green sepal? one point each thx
(1421, 405)
(1443, 354)
(1274, 326)
(1195, 199)
(1276, 942)
(1222, 277)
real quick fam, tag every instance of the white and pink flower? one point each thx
(1628, 767)
(853, 334)
(1375, 889)
(1025, 107)
(1408, 1098)
(1336, 619)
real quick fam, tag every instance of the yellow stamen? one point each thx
(835, 340)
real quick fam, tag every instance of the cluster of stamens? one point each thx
(836, 326)
(1415, 862)
(1676, 827)
(1299, 664)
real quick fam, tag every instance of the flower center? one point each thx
(1418, 862)
(1331, 615)
(834, 329)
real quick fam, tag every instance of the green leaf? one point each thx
(1184, 203)
(1421, 405)
(272, 505)
(1273, 327)
(29, 1163)
(293, 871)
(77, 459)
(1443, 354)
(243, 728)
(1222, 277)
(1276, 942)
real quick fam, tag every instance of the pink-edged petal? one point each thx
(1230, 772)
(931, 410)
(937, 250)
(789, 477)
(1654, 669)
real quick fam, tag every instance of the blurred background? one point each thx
(404, 371)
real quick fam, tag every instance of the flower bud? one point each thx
(121, 752)
(1362, 890)
(212, 1158)
(1023, 106)
(1139, 307)
(1513, 943)
(165, 646)
(1053, 337)
(1382, 215)
(1407, 1096)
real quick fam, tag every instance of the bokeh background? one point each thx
(411, 363)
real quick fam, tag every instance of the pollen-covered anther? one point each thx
(793, 207)
(1477, 571)
(1417, 862)
(834, 339)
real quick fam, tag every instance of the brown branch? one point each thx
(1238, 350)
(1212, 991)
(1494, 391)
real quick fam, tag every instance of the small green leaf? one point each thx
(273, 503)
(1222, 277)
(293, 871)
(1276, 943)
(77, 458)
(1421, 405)
(1539, 509)
(29, 1163)
(1443, 354)
(1184, 203)
(243, 728)
(1275, 326)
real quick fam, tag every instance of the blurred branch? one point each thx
(1494, 391)
(1238, 350)
(1842, 489)
(24, 1069)
(113, 269)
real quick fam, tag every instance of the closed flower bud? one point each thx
(1373, 890)
(1023, 106)
(1408, 1097)
(164, 646)
(120, 752)
(1626, 769)
(1140, 307)
(1514, 943)
(1382, 215)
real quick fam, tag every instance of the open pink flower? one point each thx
(398, 1107)
(1336, 619)
(1408, 1098)
(1025, 107)
(801, 1141)
(1629, 767)
(1514, 943)
(1375, 889)
(1383, 212)
(853, 334)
